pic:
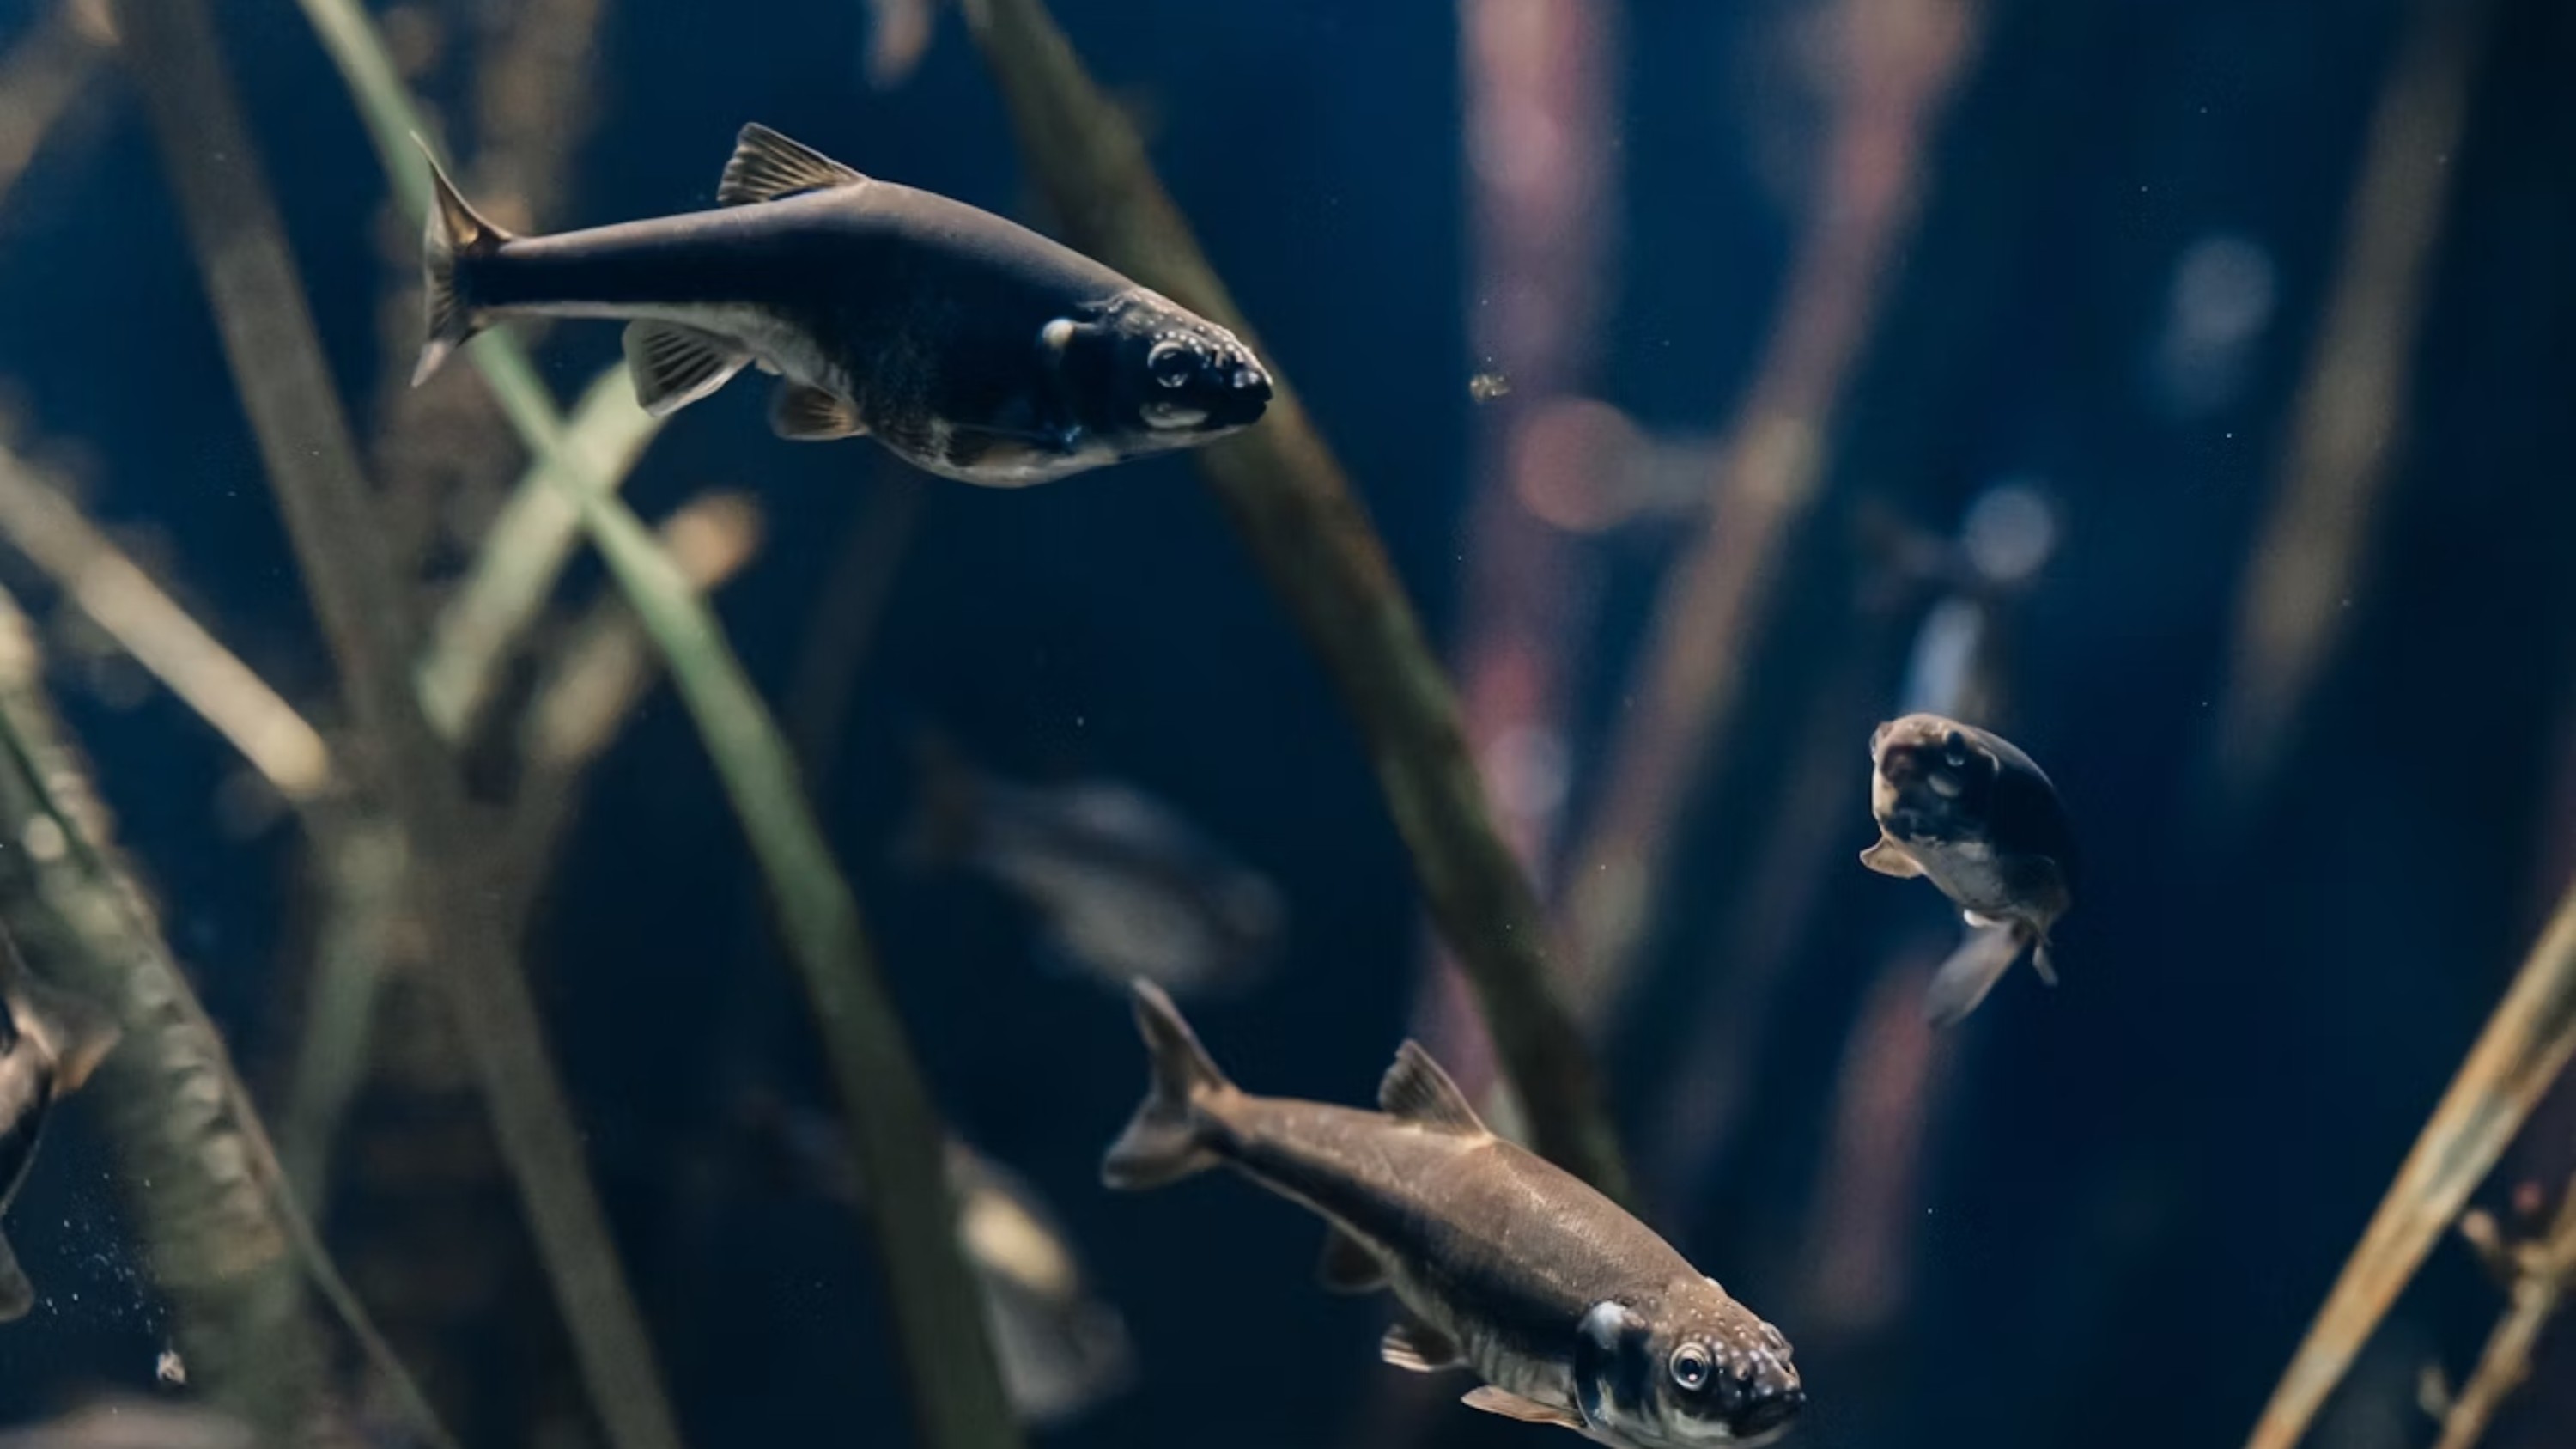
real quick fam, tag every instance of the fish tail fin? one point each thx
(454, 231)
(17, 1295)
(76, 1032)
(1972, 971)
(1164, 1142)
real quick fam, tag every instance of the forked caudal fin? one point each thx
(1162, 1142)
(454, 230)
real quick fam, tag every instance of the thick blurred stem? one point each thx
(1900, 58)
(1294, 509)
(2313, 552)
(226, 1240)
(286, 389)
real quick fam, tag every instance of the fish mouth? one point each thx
(1767, 1417)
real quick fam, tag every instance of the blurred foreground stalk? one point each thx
(224, 1238)
(1295, 510)
(287, 390)
(2522, 1050)
(957, 1393)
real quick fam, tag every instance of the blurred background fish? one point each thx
(1063, 1349)
(1123, 886)
(50, 1041)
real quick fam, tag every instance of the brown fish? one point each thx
(1966, 810)
(50, 1041)
(1573, 1312)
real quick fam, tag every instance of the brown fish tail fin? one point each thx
(1163, 1142)
(455, 230)
(1972, 971)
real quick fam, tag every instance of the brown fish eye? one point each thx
(1171, 363)
(1690, 1367)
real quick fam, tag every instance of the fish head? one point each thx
(1149, 374)
(1932, 779)
(1699, 1370)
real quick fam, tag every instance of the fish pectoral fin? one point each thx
(1512, 1406)
(1415, 1345)
(2042, 962)
(1416, 1090)
(675, 365)
(806, 414)
(766, 166)
(1889, 858)
(1347, 1266)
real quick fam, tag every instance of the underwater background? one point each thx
(2180, 391)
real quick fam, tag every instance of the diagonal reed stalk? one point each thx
(1295, 510)
(287, 391)
(2525, 1044)
(225, 1232)
(957, 1393)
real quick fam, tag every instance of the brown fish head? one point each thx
(1146, 374)
(1932, 779)
(1694, 1369)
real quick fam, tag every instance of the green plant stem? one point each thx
(286, 389)
(1287, 497)
(948, 1360)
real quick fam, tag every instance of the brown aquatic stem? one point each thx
(2314, 547)
(287, 391)
(2525, 1044)
(2539, 1275)
(1719, 599)
(1289, 500)
(227, 1240)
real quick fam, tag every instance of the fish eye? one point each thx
(1691, 1367)
(1171, 363)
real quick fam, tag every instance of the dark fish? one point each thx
(1573, 1312)
(1966, 810)
(1123, 886)
(970, 346)
(1063, 1349)
(50, 1041)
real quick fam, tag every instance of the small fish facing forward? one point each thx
(1573, 1312)
(970, 346)
(1966, 810)
(50, 1041)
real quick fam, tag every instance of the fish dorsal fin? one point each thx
(766, 166)
(1416, 1090)
(675, 366)
(804, 414)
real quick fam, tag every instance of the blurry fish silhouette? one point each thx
(1124, 887)
(1964, 809)
(131, 1422)
(1573, 1312)
(50, 1041)
(970, 346)
(1062, 1349)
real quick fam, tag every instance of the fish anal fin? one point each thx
(1889, 858)
(766, 166)
(1417, 1346)
(1416, 1090)
(675, 365)
(1347, 1266)
(1512, 1406)
(806, 414)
